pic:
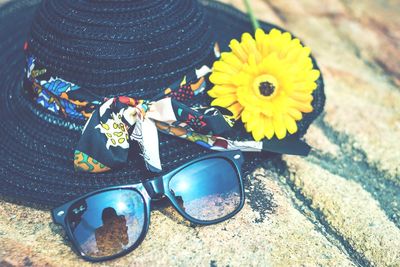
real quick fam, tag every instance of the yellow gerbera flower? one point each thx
(267, 82)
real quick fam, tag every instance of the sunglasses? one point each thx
(111, 222)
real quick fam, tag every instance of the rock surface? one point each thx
(340, 206)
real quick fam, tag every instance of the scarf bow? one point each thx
(108, 133)
(113, 125)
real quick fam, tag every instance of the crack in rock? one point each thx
(351, 163)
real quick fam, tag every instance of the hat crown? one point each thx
(120, 47)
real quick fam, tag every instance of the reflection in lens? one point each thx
(207, 190)
(107, 223)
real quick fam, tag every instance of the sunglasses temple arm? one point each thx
(58, 215)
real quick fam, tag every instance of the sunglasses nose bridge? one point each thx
(155, 187)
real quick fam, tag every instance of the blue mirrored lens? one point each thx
(107, 223)
(207, 190)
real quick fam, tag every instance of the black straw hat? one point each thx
(111, 48)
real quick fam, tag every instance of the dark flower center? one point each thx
(266, 88)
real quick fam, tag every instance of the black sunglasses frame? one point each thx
(152, 189)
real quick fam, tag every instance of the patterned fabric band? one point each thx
(113, 123)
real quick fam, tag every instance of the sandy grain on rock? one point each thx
(316, 138)
(350, 211)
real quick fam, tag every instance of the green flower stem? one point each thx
(253, 19)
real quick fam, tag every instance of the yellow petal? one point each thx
(247, 37)
(238, 50)
(314, 75)
(220, 78)
(241, 79)
(223, 67)
(252, 60)
(303, 107)
(293, 54)
(295, 114)
(260, 36)
(221, 90)
(279, 127)
(267, 109)
(232, 60)
(236, 110)
(251, 67)
(249, 45)
(290, 124)
(246, 115)
(268, 128)
(252, 123)
(258, 131)
(274, 32)
(249, 100)
(305, 52)
(306, 87)
(302, 97)
(286, 38)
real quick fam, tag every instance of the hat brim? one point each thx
(36, 163)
